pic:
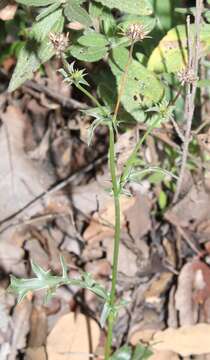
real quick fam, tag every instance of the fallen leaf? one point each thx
(20, 324)
(21, 180)
(164, 355)
(8, 12)
(70, 338)
(192, 209)
(37, 353)
(193, 292)
(186, 340)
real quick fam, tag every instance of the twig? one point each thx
(54, 188)
(193, 59)
(63, 100)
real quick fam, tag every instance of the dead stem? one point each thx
(193, 60)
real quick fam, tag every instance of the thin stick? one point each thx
(193, 59)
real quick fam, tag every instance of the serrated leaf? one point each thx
(124, 353)
(139, 7)
(74, 12)
(171, 53)
(39, 272)
(93, 39)
(90, 54)
(35, 2)
(32, 55)
(142, 87)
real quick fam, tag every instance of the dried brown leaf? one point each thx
(70, 338)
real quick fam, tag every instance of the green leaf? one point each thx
(162, 200)
(48, 11)
(203, 83)
(138, 7)
(74, 12)
(171, 53)
(141, 352)
(34, 53)
(35, 2)
(142, 87)
(165, 13)
(124, 353)
(93, 39)
(42, 28)
(90, 54)
(105, 314)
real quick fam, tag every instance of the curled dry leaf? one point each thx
(193, 292)
(186, 341)
(71, 338)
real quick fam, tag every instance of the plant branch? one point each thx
(193, 60)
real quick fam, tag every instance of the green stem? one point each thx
(91, 97)
(115, 188)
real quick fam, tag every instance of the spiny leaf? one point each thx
(139, 7)
(171, 53)
(124, 353)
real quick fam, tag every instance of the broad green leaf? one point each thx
(165, 14)
(48, 11)
(124, 353)
(171, 53)
(32, 55)
(141, 353)
(42, 28)
(138, 7)
(74, 12)
(90, 54)
(95, 9)
(141, 88)
(93, 39)
(147, 21)
(35, 2)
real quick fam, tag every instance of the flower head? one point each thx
(60, 42)
(137, 32)
(187, 76)
(164, 110)
(71, 75)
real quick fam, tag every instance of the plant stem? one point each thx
(91, 97)
(115, 188)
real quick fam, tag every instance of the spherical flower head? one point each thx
(187, 76)
(137, 32)
(60, 42)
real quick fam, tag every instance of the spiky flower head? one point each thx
(71, 75)
(164, 110)
(187, 76)
(60, 42)
(137, 32)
